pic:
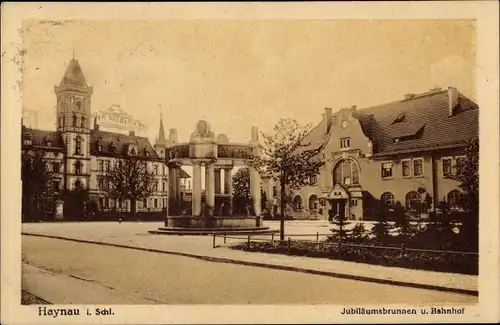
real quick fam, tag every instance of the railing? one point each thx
(339, 244)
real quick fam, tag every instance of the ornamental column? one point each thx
(217, 180)
(196, 192)
(255, 192)
(210, 189)
(228, 187)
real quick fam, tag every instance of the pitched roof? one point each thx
(425, 124)
(73, 75)
(429, 111)
(42, 138)
(120, 142)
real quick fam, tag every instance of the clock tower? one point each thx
(73, 122)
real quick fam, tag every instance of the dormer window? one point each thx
(48, 142)
(132, 152)
(146, 153)
(112, 147)
(399, 119)
(99, 147)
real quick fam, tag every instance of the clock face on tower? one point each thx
(344, 124)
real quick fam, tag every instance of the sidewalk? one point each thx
(135, 236)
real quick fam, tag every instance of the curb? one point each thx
(273, 266)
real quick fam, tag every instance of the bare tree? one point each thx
(289, 159)
(130, 179)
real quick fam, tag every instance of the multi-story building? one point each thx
(79, 154)
(400, 151)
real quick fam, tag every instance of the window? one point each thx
(99, 147)
(406, 167)
(459, 161)
(78, 167)
(106, 165)
(275, 191)
(74, 120)
(146, 153)
(447, 168)
(61, 121)
(132, 152)
(346, 172)
(101, 202)
(82, 122)
(399, 119)
(411, 199)
(456, 199)
(297, 202)
(78, 146)
(387, 199)
(101, 165)
(28, 140)
(164, 186)
(313, 202)
(55, 186)
(48, 142)
(56, 168)
(354, 202)
(345, 143)
(156, 169)
(77, 184)
(155, 203)
(418, 167)
(387, 169)
(145, 203)
(313, 180)
(112, 147)
(100, 183)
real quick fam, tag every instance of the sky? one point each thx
(237, 74)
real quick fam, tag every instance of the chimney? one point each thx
(131, 133)
(255, 134)
(172, 135)
(409, 96)
(452, 100)
(328, 119)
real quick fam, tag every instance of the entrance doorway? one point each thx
(337, 206)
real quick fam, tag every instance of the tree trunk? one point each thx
(283, 211)
(133, 208)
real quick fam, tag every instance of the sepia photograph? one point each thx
(249, 162)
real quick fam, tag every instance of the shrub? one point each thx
(442, 262)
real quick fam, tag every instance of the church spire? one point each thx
(161, 141)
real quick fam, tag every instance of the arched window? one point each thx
(61, 121)
(297, 202)
(346, 172)
(78, 167)
(313, 202)
(83, 122)
(456, 199)
(78, 184)
(387, 199)
(411, 199)
(78, 145)
(74, 120)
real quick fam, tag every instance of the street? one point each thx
(170, 279)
